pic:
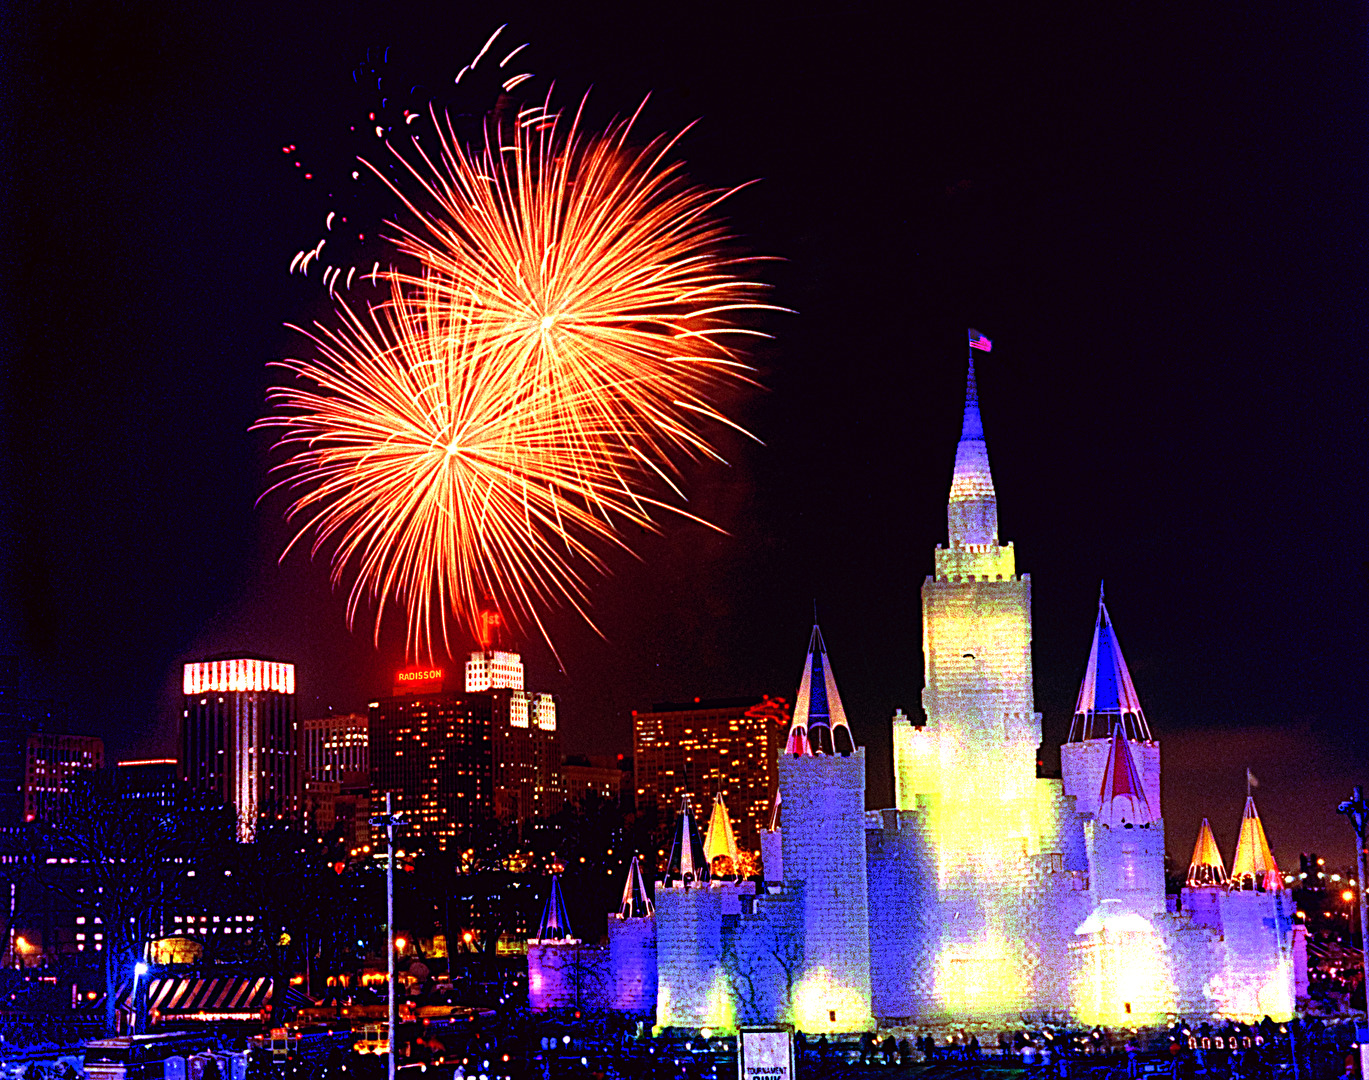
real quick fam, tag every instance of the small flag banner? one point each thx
(979, 341)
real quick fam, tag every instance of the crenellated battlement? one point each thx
(976, 561)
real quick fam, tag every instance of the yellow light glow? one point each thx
(822, 1005)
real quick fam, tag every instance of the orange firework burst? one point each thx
(530, 388)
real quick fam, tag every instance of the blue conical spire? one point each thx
(1107, 696)
(973, 425)
(972, 513)
(555, 925)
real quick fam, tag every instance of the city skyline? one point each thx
(1171, 405)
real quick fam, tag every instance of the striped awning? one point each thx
(231, 997)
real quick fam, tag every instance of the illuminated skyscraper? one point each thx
(334, 748)
(726, 747)
(239, 737)
(458, 758)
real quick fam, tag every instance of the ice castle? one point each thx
(987, 892)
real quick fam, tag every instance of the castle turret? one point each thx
(1121, 796)
(687, 863)
(1254, 866)
(555, 924)
(1126, 838)
(693, 986)
(1202, 892)
(1206, 869)
(720, 845)
(563, 972)
(1107, 703)
(636, 902)
(1263, 945)
(819, 725)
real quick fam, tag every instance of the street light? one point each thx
(139, 999)
(388, 821)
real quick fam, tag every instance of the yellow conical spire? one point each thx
(1254, 866)
(1207, 870)
(720, 840)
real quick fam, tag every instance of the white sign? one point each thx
(766, 1054)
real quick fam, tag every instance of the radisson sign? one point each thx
(418, 680)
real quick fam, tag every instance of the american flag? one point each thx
(979, 341)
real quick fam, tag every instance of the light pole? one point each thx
(1357, 811)
(139, 998)
(388, 821)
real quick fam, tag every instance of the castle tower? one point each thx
(1126, 839)
(632, 947)
(1107, 701)
(693, 987)
(720, 843)
(1262, 943)
(972, 766)
(556, 962)
(823, 847)
(976, 641)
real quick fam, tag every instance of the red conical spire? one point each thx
(1122, 798)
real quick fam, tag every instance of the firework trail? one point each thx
(533, 385)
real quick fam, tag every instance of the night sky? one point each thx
(1156, 211)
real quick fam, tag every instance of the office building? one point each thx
(458, 758)
(239, 737)
(725, 747)
(334, 748)
(149, 781)
(586, 781)
(53, 766)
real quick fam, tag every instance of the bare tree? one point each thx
(123, 862)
